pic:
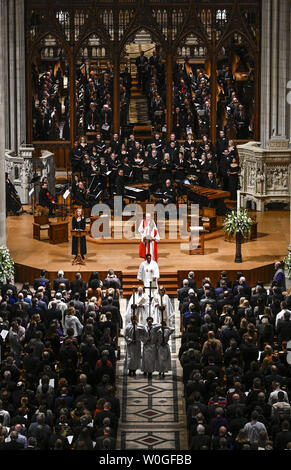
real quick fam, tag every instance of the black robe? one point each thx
(81, 225)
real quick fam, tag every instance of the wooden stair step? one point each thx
(140, 127)
(168, 280)
(171, 283)
(165, 277)
(127, 275)
(169, 292)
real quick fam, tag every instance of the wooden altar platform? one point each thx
(271, 244)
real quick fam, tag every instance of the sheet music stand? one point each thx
(78, 234)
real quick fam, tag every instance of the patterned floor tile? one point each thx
(150, 405)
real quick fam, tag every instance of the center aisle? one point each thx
(152, 411)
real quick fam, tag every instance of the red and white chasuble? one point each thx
(148, 228)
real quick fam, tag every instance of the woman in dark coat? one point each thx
(79, 223)
(94, 281)
(233, 179)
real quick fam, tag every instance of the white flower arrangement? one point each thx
(287, 262)
(6, 264)
(238, 222)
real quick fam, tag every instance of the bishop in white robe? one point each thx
(168, 312)
(141, 300)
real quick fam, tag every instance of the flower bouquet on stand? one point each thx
(287, 264)
(238, 223)
(6, 265)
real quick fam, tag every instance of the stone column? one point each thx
(12, 30)
(20, 72)
(275, 61)
(4, 34)
(11, 77)
(2, 125)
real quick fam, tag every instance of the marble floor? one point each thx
(152, 411)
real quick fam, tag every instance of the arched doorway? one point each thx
(50, 91)
(192, 90)
(143, 57)
(236, 85)
(93, 88)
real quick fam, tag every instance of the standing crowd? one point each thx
(59, 347)
(236, 366)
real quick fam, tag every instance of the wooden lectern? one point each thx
(78, 234)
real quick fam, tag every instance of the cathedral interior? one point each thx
(170, 103)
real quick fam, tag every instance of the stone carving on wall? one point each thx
(21, 168)
(260, 182)
(251, 171)
(277, 178)
(265, 174)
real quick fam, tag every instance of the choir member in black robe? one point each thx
(81, 195)
(76, 156)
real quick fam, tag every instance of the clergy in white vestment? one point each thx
(164, 363)
(149, 238)
(141, 300)
(148, 271)
(134, 333)
(149, 354)
(160, 298)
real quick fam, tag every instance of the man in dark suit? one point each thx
(60, 280)
(225, 299)
(53, 313)
(112, 309)
(107, 413)
(223, 277)
(78, 301)
(183, 292)
(221, 143)
(191, 281)
(42, 281)
(284, 328)
(283, 437)
(258, 297)
(190, 299)
(119, 183)
(22, 305)
(106, 442)
(272, 376)
(210, 181)
(207, 299)
(78, 285)
(87, 398)
(205, 286)
(240, 293)
(13, 444)
(168, 193)
(9, 286)
(242, 282)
